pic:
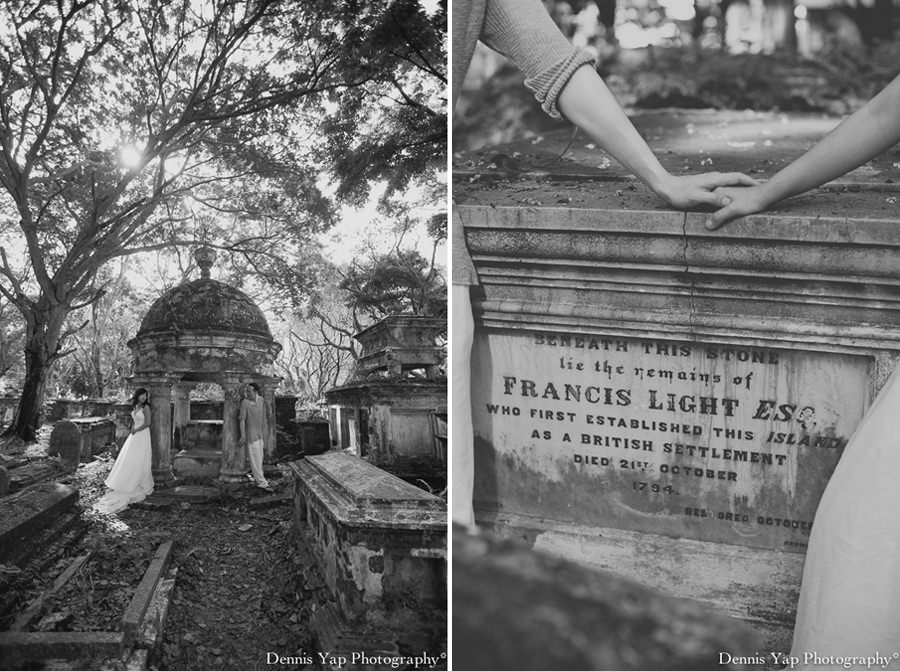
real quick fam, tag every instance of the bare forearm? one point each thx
(587, 102)
(868, 132)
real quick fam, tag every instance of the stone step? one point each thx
(189, 493)
(23, 515)
(272, 500)
(155, 502)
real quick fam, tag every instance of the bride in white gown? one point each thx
(850, 596)
(131, 477)
(850, 599)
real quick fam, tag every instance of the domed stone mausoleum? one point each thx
(203, 331)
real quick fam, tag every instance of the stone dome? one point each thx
(205, 305)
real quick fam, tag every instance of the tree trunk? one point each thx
(41, 347)
(96, 353)
(778, 26)
(27, 419)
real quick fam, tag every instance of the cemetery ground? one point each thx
(245, 582)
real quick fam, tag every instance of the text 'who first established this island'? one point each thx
(715, 443)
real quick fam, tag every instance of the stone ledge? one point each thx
(16, 648)
(754, 585)
(517, 608)
(29, 473)
(143, 595)
(772, 281)
(28, 511)
(153, 624)
(359, 493)
(578, 244)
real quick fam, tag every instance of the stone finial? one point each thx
(205, 256)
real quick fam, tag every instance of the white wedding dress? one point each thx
(850, 596)
(131, 477)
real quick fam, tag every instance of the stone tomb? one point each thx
(710, 442)
(660, 400)
(78, 440)
(203, 331)
(375, 536)
(390, 406)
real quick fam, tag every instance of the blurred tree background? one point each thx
(820, 56)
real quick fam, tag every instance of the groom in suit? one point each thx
(252, 421)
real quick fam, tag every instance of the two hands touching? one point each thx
(733, 193)
(738, 202)
(872, 129)
(725, 190)
(865, 134)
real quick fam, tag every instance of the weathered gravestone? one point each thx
(665, 401)
(78, 440)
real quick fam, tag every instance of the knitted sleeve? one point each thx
(522, 31)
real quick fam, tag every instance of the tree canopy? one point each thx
(393, 126)
(130, 127)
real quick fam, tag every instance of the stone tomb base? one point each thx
(198, 462)
(756, 586)
(375, 536)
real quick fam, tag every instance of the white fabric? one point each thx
(461, 432)
(255, 454)
(131, 477)
(850, 597)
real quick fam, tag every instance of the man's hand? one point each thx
(690, 191)
(741, 202)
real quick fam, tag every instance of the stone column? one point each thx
(234, 459)
(182, 414)
(160, 392)
(271, 435)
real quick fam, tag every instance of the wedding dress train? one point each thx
(131, 477)
(850, 596)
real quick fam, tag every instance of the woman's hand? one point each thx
(690, 191)
(740, 203)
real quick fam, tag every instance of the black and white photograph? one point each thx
(495, 335)
(223, 334)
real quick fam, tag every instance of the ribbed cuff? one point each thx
(548, 84)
